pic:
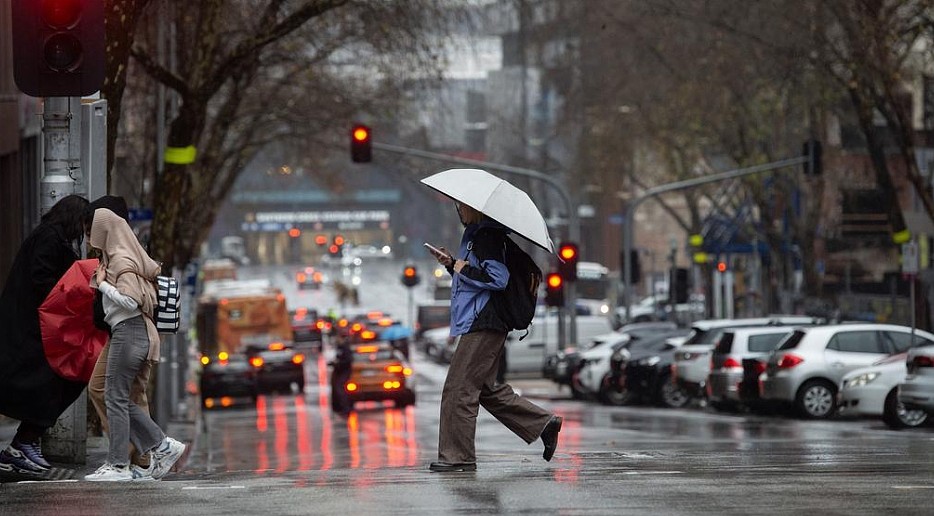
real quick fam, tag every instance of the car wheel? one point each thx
(817, 399)
(670, 395)
(896, 416)
(611, 394)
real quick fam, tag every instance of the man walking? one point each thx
(471, 379)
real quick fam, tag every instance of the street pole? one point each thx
(573, 220)
(684, 185)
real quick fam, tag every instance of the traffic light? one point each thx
(58, 47)
(721, 267)
(410, 276)
(635, 266)
(554, 289)
(360, 144)
(321, 240)
(813, 151)
(679, 285)
(567, 263)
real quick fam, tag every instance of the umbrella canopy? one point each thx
(495, 198)
(66, 319)
(395, 332)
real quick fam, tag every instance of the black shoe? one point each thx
(550, 437)
(447, 467)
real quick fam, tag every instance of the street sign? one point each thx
(910, 258)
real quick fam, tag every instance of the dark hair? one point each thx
(68, 214)
(113, 203)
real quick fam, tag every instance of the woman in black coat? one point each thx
(29, 390)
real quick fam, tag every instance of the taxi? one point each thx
(380, 372)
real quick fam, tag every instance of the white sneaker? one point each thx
(110, 473)
(141, 474)
(165, 456)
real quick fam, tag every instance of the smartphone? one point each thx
(434, 249)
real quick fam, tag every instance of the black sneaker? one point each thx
(14, 461)
(33, 452)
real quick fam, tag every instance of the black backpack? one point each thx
(515, 305)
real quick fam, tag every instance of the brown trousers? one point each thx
(471, 383)
(137, 395)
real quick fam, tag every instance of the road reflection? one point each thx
(286, 433)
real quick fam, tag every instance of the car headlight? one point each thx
(650, 361)
(861, 380)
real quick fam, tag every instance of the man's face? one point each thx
(467, 214)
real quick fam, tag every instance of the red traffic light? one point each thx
(360, 145)
(321, 239)
(568, 252)
(567, 260)
(554, 280)
(295, 232)
(721, 267)
(410, 276)
(409, 272)
(338, 240)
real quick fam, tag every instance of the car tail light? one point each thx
(317, 277)
(760, 367)
(923, 361)
(789, 361)
(223, 356)
(356, 327)
(300, 277)
(226, 401)
(367, 335)
(407, 371)
(298, 358)
(385, 321)
(394, 369)
(256, 362)
(205, 360)
(351, 387)
(392, 384)
(209, 402)
(732, 363)
(367, 349)
(319, 325)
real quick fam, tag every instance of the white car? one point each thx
(595, 362)
(873, 391)
(917, 391)
(809, 365)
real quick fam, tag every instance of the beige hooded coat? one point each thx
(127, 267)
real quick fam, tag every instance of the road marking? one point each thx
(912, 487)
(62, 481)
(212, 487)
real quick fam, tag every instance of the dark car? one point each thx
(227, 379)
(647, 377)
(429, 317)
(306, 326)
(630, 351)
(278, 368)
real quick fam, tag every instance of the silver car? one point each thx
(917, 391)
(724, 385)
(807, 367)
(692, 361)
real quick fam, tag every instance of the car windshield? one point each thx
(765, 342)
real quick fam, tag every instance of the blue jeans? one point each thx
(129, 347)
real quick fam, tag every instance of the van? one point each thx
(527, 356)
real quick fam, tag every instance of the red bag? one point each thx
(66, 319)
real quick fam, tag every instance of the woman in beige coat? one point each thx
(126, 277)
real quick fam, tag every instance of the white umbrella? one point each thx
(495, 198)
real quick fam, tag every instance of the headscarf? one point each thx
(127, 266)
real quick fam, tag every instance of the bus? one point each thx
(593, 289)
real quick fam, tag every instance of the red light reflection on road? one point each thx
(282, 435)
(353, 440)
(411, 443)
(305, 458)
(372, 445)
(262, 458)
(261, 423)
(569, 439)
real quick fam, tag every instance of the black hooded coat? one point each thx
(29, 390)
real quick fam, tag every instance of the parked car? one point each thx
(692, 361)
(226, 379)
(807, 367)
(725, 383)
(526, 353)
(917, 391)
(279, 368)
(648, 376)
(437, 343)
(431, 316)
(593, 369)
(613, 388)
(873, 391)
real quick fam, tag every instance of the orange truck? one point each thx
(232, 315)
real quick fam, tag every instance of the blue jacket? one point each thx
(482, 246)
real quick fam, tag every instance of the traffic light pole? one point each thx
(683, 185)
(573, 221)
